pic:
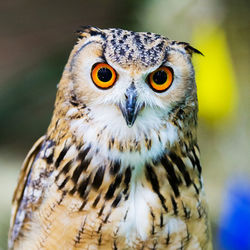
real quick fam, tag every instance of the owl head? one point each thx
(130, 81)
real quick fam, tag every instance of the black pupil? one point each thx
(104, 74)
(160, 77)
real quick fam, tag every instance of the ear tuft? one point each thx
(190, 49)
(86, 31)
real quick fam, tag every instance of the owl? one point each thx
(118, 167)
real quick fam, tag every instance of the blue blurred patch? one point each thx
(234, 224)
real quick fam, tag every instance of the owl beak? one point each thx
(131, 108)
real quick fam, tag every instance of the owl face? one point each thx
(133, 80)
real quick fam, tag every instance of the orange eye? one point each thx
(161, 79)
(103, 75)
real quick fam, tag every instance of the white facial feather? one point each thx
(108, 124)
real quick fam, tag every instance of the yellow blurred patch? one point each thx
(216, 84)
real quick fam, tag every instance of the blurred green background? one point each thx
(36, 38)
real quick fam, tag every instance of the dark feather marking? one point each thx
(115, 246)
(199, 210)
(116, 231)
(62, 185)
(182, 246)
(153, 222)
(186, 212)
(161, 220)
(61, 156)
(125, 216)
(57, 121)
(111, 143)
(149, 144)
(97, 199)
(49, 158)
(113, 187)
(151, 176)
(107, 217)
(82, 166)
(76, 102)
(80, 232)
(174, 205)
(101, 210)
(83, 153)
(66, 168)
(159, 138)
(172, 178)
(156, 161)
(146, 141)
(152, 214)
(83, 185)
(127, 179)
(126, 197)
(73, 190)
(120, 147)
(191, 158)
(115, 167)
(196, 146)
(86, 194)
(62, 197)
(188, 235)
(99, 228)
(197, 164)
(168, 238)
(131, 147)
(79, 146)
(100, 240)
(196, 188)
(83, 205)
(197, 161)
(85, 163)
(95, 33)
(181, 166)
(138, 146)
(177, 124)
(98, 135)
(155, 244)
(57, 177)
(116, 201)
(97, 182)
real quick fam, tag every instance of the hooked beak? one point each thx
(131, 108)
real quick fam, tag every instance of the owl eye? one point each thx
(161, 79)
(103, 75)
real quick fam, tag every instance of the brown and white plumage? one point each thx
(100, 179)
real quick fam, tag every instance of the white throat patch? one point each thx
(105, 124)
